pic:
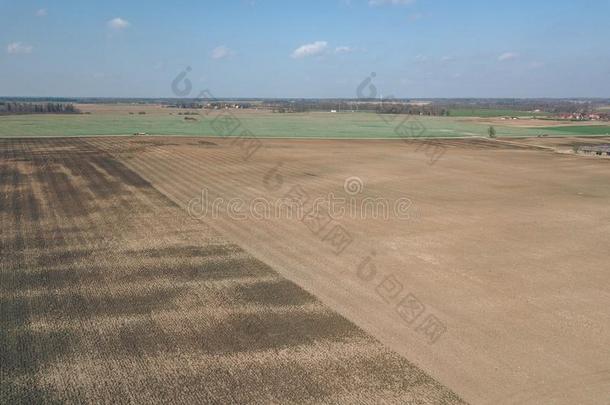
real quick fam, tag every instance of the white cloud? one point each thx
(221, 52)
(447, 58)
(312, 49)
(392, 2)
(118, 23)
(506, 56)
(19, 48)
(41, 12)
(344, 49)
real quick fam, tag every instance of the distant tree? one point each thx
(37, 108)
(491, 131)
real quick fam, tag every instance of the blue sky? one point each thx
(266, 48)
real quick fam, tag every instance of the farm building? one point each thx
(599, 150)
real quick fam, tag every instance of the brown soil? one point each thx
(110, 293)
(506, 244)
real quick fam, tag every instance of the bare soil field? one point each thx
(495, 282)
(564, 144)
(111, 293)
(505, 249)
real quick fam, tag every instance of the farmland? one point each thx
(494, 229)
(391, 202)
(111, 293)
(127, 120)
(112, 288)
(580, 130)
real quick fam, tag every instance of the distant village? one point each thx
(211, 106)
(585, 116)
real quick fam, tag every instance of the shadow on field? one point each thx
(106, 297)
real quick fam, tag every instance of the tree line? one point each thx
(432, 107)
(380, 107)
(9, 108)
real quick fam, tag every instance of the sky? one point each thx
(309, 49)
